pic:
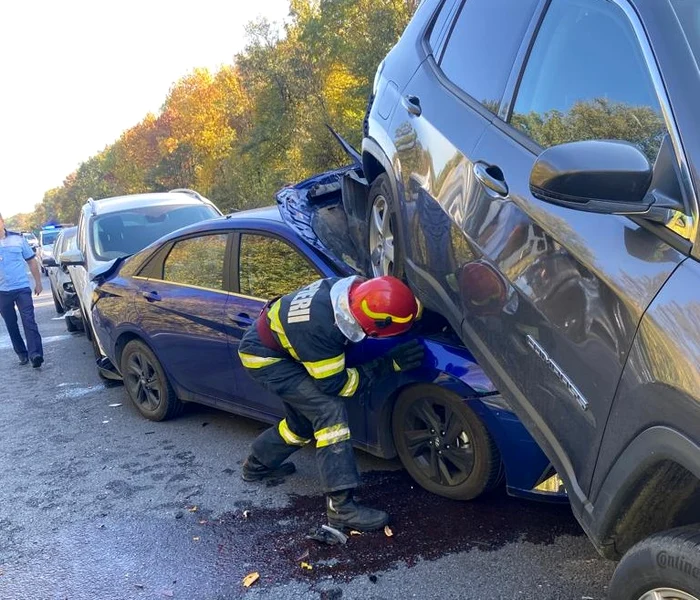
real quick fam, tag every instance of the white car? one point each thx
(58, 276)
(47, 237)
(111, 228)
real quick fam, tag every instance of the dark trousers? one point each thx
(21, 298)
(309, 414)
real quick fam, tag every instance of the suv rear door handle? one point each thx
(241, 319)
(412, 104)
(491, 177)
(151, 296)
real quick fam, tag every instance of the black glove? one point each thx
(403, 357)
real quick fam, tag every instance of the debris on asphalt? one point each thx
(205, 424)
(203, 522)
(192, 508)
(246, 514)
(167, 593)
(139, 586)
(115, 404)
(328, 535)
(105, 422)
(179, 514)
(387, 531)
(305, 565)
(303, 556)
(353, 532)
(149, 433)
(373, 578)
(196, 538)
(250, 579)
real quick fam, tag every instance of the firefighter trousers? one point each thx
(309, 414)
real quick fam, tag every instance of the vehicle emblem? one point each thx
(556, 369)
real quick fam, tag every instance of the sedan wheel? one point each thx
(667, 594)
(443, 444)
(147, 384)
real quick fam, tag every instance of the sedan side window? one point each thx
(586, 78)
(270, 267)
(197, 261)
(479, 54)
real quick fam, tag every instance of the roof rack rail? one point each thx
(189, 192)
(93, 206)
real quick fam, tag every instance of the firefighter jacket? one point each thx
(310, 327)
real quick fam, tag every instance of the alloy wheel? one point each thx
(381, 238)
(667, 594)
(142, 382)
(439, 442)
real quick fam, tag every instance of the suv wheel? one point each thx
(147, 384)
(57, 302)
(443, 444)
(385, 254)
(665, 566)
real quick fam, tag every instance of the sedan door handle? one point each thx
(491, 177)
(151, 296)
(241, 319)
(412, 104)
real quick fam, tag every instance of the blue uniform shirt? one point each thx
(15, 251)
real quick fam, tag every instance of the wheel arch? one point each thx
(634, 500)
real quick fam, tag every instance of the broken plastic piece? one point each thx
(328, 535)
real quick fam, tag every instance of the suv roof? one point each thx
(126, 202)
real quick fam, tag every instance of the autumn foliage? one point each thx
(239, 134)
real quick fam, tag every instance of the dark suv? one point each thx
(534, 169)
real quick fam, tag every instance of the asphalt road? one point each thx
(96, 503)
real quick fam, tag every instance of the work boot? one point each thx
(342, 512)
(254, 470)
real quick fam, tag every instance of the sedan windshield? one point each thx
(688, 12)
(123, 233)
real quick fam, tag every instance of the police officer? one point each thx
(15, 254)
(296, 349)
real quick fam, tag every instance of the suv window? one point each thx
(587, 79)
(475, 60)
(197, 261)
(270, 267)
(125, 232)
(438, 28)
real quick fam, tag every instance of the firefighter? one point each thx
(296, 349)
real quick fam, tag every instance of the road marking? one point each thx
(5, 341)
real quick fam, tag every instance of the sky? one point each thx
(77, 73)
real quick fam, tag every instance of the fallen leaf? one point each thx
(192, 509)
(305, 565)
(115, 405)
(196, 538)
(246, 514)
(250, 579)
(353, 532)
(387, 531)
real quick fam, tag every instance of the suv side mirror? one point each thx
(608, 177)
(72, 258)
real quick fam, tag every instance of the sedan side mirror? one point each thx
(72, 258)
(608, 177)
(49, 262)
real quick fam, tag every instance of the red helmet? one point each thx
(384, 306)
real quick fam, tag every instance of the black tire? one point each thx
(155, 400)
(461, 464)
(664, 561)
(380, 194)
(57, 302)
(70, 325)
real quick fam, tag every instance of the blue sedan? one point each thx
(171, 317)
